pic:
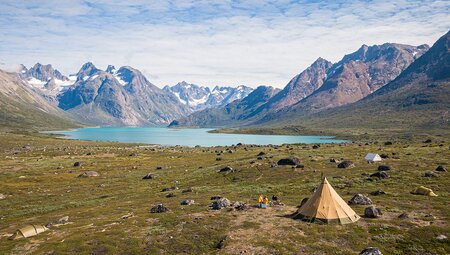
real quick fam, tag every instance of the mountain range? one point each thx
(375, 86)
(199, 97)
(323, 85)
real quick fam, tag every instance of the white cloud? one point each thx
(226, 43)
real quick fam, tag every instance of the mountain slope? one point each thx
(22, 108)
(232, 113)
(119, 97)
(357, 75)
(418, 98)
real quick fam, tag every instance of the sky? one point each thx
(227, 43)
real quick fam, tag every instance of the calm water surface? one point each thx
(185, 137)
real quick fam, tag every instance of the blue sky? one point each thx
(209, 42)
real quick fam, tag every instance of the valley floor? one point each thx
(40, 184)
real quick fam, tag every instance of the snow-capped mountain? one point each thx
(44, 77)
(198, 97)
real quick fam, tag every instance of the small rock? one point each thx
(403, 216)
(377, 192)
(388, 143)
(159, 208)
(441, 237)
(441, 168)
(149, 176)
(371, 251)
(2, 196)
(372, 212)
(187, 190)
(300, 166)
(430, 174)
(169, 189)
(380, 175)
(333, 160)
(222, 242)
(170, 195)
(346, 164)
(76, 164)
(427, 141)
(220, 203)
(262, 153)
(158, 167)
(360, 199)
(187, 202)
(63, 220)
(218, 159)
(89, 174)
(289, 161)
(134, 154)
(384, 168)
(226, 169)
(215, 197)
(384, 156)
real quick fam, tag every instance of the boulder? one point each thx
(187, 202)
(289, 161)
(346, 164)
(441, 168)
(360, 199)
(372, 212)
(380, 175)
(403, 216)
(187, 190)
(220, 203)
(371, 251)
(377, 192)
(159, 208)
(384, 168)
(240, 206)
(169, 189)
(170, 195)
(149, 176)
(89, 174)
(423, 191)
(431, 174)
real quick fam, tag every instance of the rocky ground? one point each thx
(117, 211)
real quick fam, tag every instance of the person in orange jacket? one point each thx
(260, 200)
(265, 202)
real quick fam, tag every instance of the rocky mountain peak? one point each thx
(86, 71)
(43, 73)
(110, 69)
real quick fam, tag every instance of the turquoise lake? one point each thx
(186, 137)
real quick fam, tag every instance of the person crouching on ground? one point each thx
(260, 200)
(265, 202)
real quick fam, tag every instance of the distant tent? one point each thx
(326, 206)
(373, 157)
(28, 231)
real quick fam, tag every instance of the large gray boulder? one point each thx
(372, 212)
(220, 203)
(360, 199)
(159, 208)
(289, 161)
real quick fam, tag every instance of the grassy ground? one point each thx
(41, 185)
